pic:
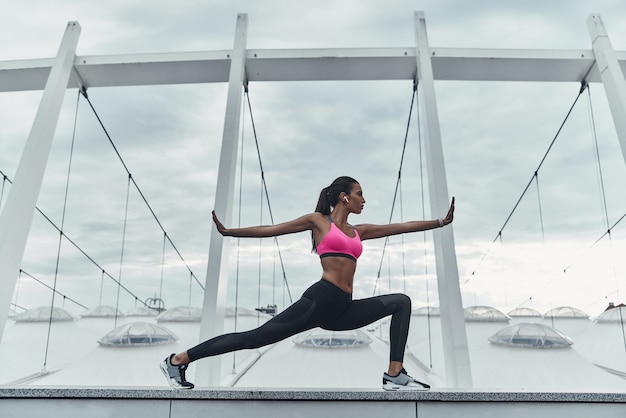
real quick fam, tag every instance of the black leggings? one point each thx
(322, 305)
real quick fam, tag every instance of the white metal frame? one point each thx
(17, 214)
(208, 371)
(601, 64)
(456, 354)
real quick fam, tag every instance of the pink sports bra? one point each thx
(337, 244)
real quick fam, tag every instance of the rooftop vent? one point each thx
(319, 338)
(530, 335)
(138, 334)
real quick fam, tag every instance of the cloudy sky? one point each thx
(494, 136)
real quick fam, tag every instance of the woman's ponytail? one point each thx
(323, 205)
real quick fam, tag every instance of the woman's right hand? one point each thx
(450, 215)
(220, 228)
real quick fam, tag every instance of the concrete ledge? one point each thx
(80, 402)
(307, 395)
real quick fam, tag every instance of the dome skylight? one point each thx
(530, 335)
(181, 314)
(101, 311)
(484, 314)
(426, 311)
(613, 315)
(565, 312)
(230, 312)
(142, 311)
(319, 338)
(138, 334)
(525, 312)
(43, 314)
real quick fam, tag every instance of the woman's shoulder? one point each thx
(313, 217)
(319, 217)
(319, 220)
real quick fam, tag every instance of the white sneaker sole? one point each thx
(396, 388)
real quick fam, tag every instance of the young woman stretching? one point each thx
(328, 303)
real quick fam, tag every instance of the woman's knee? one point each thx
(403, 301)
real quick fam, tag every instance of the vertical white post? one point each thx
(611, 75)
(208, 370)
(456, 355)
(17, 214)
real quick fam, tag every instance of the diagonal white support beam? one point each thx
(17, 214)
(208, 370)
(456, 354)
(611, 75)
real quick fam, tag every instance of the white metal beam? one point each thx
(209, 370)
(17, 214)
(456, 354)
(311, 65)
(612, 76)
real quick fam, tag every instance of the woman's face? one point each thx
(356, 201)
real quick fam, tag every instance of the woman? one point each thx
(328, 303)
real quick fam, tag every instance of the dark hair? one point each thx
(329, 196)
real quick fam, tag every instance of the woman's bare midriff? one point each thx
(339, 271)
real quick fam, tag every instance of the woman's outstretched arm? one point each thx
(371, 231)
(300, 224)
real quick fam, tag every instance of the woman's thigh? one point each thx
(362, 312)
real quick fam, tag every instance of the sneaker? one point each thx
(175, 375)
(402, 382)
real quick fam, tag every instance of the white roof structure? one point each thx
(292, 365)
(23, 350)
(595, 362)
(528, 369)
(76, 358)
